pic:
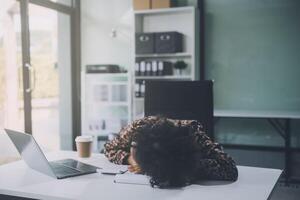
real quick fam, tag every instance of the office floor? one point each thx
(283, 192)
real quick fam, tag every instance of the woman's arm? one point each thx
(118, 149)
(215, 163)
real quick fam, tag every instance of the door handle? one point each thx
(32, 77)
(20, 78)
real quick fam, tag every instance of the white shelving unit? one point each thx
(180, 19)
(106, 105)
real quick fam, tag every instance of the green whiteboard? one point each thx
(253, 53)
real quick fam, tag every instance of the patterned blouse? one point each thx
(216, 164)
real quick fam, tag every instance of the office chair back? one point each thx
(190, 100)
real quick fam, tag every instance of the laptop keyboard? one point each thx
(69, 167)
(61, 170)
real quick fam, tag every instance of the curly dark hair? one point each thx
(166, 152)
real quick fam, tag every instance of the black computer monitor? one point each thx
(192, 100)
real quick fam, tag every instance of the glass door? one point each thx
(50, 59)
(47, 72)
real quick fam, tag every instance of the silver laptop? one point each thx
(35, 158)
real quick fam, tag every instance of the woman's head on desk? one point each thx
(174, 153)
(167, 153)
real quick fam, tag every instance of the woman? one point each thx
(174, 153)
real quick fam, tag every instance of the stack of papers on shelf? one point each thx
(131, 178)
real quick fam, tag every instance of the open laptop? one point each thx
(35, 158)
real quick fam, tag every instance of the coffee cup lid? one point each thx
(85, 138)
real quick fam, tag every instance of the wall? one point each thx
(99, 18)
(252, 53)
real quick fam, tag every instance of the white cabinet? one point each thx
(106, 105)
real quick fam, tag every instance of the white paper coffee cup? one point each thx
(84, 146)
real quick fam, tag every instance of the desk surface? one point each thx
(257, 114)
(18, 180)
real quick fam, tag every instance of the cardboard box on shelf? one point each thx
(161, 4)
(141, 4)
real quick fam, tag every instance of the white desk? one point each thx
(17, 179)
(273, 117)
(258, 114)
